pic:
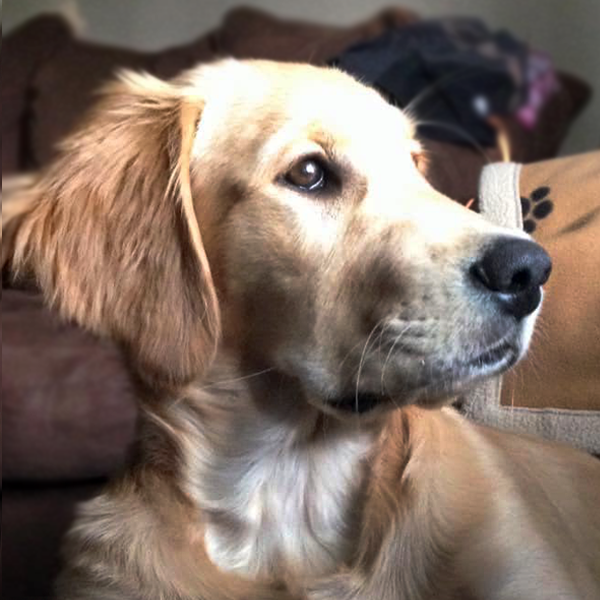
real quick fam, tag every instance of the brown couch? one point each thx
(68, 402)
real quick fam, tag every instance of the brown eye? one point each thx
(307, 175)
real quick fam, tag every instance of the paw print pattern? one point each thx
(538, 206)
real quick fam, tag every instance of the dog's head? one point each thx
(285, 202)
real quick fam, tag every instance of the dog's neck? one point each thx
(279, 483)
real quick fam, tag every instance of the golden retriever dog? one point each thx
(298, 305)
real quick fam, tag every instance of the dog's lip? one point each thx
(496, 357)
(493, 355)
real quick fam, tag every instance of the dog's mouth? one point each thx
(434, 382)
(493, 357)
(358, 403)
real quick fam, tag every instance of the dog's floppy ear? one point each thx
(16, 203)
(113, 237)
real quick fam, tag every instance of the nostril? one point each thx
(521, 280)
(479, 273)
(514, 269)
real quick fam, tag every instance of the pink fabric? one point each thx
(542, 84)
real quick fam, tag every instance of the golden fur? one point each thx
(247, 306)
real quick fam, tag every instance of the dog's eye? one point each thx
(309, 175)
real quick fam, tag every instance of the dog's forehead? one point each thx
(326, 98)
(263, 99)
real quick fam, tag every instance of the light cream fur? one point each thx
(247, 306)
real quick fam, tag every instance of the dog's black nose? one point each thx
(514, 270)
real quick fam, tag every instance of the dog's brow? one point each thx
(325, 139)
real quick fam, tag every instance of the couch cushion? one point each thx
(64, 87)
(68, 405)
(250, 33)
(455, 170)
(34, 521)
(22, 54)
(170, 62)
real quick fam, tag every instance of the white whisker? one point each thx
(389, 354)
(362, 358)
(227, 381)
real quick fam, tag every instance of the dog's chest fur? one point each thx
(274, 502)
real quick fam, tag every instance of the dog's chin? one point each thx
(429, 384)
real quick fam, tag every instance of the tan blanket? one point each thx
(555, 391)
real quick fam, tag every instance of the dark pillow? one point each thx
(170, 62)
(250, 33)
(64, 87)
(34, 522)
(455, 170)
(68, 406)
(12, 149)
(24, 50)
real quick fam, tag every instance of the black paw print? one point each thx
(539, 205)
